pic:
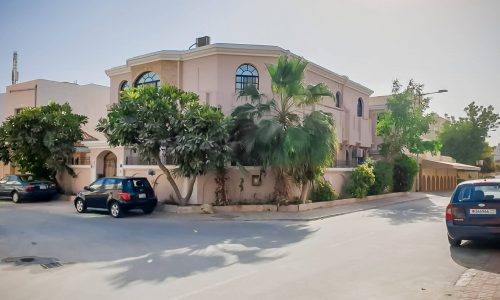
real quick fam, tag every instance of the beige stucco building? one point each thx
(89, 100)
(437, 172)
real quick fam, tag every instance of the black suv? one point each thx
(117, 195)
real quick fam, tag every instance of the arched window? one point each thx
(338, 99)
(360, 107)
(246, 75)
(124, 85)
(147, 78)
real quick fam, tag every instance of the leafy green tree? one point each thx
(168, 121)
(405, 121)
(464, 138)
(40, 140)
(405, 170)
(277, 133)
(383, 172)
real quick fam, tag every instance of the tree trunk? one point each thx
(280, 186)
(304, 192)
(191, 182)
(170, 179)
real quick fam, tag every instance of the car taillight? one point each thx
(29, 188)
(454, 213)
(449, 215)
(125, 196)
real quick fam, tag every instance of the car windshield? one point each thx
(29, 178)
(478, 192)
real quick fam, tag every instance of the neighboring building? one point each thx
(497, 153)
(89, 100)
(436, 172)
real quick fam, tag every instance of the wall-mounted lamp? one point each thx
(256, 180)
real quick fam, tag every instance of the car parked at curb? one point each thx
(26, 187)
(474, 211)
(117, 195)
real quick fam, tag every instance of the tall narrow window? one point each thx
(360, 107)
(124, 85)
(147, 78)
(338, 99)
(246, 75)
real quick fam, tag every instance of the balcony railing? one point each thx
(347, 163)
(78, 161)
(137, 160)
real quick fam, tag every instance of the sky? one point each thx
(444, 44)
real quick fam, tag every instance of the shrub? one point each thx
(405, 170)
(383, 177)
(323, 191)
(362, 178)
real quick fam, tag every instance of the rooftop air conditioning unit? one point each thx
(202, 41)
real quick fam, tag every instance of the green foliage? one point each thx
(362, 178)
(464, 139)
(323, 191)
(274, 132)
(383, 172)
(40, 140)
(167, 120)
(405, 170)
(403, 124)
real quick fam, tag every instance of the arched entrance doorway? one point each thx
(109, 165)
(106, 164)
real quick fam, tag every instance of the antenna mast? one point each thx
(15, 74)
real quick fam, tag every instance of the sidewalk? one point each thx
(476, 284)
(319, 213)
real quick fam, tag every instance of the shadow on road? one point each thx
(181, 254)
(479, 255)
(410, 212)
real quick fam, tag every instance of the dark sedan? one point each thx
(24, 187)
(474, 211)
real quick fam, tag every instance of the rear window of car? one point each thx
(29, 178)
(477, 192)
(137, 184)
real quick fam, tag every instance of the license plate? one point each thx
(483, 211)
(43, 186)
(142, 196)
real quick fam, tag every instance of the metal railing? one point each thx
(346, 163)
(137, 160)
(78, 161)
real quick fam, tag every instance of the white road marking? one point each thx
(213, 286)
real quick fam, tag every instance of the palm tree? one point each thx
(277, 132)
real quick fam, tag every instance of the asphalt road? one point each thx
(393, 252)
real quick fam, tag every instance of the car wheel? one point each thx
(148, 209)
(115, 210)
(80, 205)
(453, 242)
(15, 197)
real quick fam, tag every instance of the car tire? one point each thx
(115, 209)
(80, 205)
(148, 209)
(453, 242)
(15, 197)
